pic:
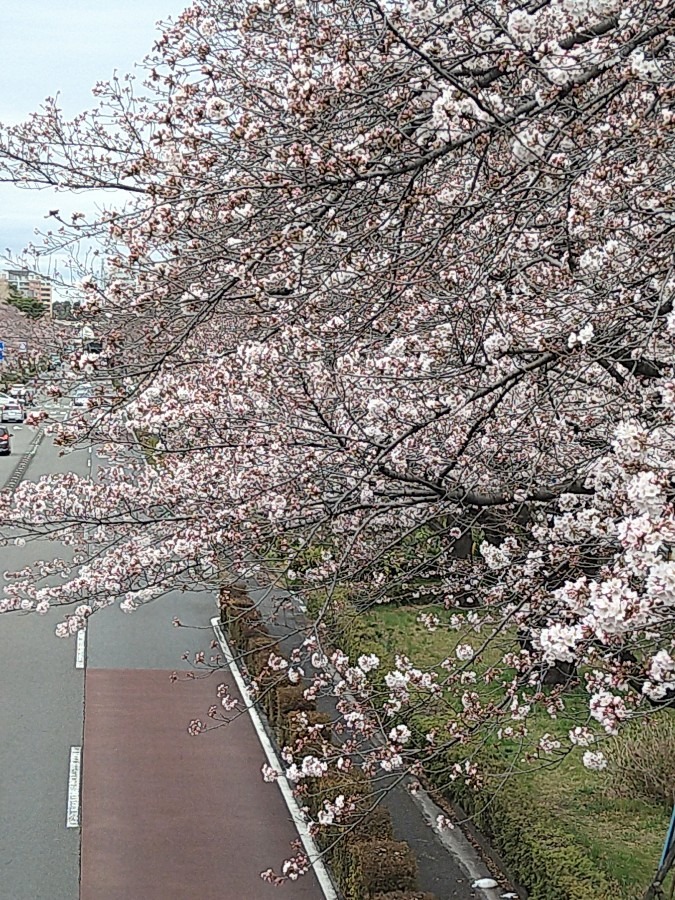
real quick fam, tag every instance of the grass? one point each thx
(623, 837)
(148, 444)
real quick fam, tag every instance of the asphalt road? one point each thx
(41, 718)
(151, 813)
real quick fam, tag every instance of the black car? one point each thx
(4, 441)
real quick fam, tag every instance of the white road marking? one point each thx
(79, 649)
(74, 772)
(311, 849)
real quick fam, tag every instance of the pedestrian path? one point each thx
(167, 815)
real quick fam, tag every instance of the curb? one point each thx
(313, 853)
(453, 842)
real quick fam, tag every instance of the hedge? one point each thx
(405, 895)
(359, 827)
(294, 728)
(230, 599)
(377, 867)
(353, 784)
(290, 698)
(266, 697)
(257, 646)
(245, 626)
(366, 861)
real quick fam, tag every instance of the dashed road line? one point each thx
(80, 645)
(74, 777)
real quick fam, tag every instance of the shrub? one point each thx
(359, 827)
(243, 625)
(232, 604)
(288, 698)
(405, 895)
(353, 785)
(231, 600)
(295, 725)
(266, 696)
(641, 761)
(257, 646)
(234, 593)
(377, 867)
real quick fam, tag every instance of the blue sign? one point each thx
(2, 350)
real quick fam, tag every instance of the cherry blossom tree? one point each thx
(391, 302)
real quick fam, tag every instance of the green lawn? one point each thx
(622, 838)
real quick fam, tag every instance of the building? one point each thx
(28, 284)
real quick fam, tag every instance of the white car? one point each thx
(21, 393)
(82, 396)
(12, 411)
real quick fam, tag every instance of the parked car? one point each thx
(12, 411)
(5, 441)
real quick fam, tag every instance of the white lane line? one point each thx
(74, 771)
(311, 849)
(79, 649)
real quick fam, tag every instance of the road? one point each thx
(104, 794)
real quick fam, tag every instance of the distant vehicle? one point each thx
(22, 393)
(82, 396)
(12, 411)
(5, 439)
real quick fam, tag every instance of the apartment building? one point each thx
(27, 283)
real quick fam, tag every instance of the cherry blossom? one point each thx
(389, 308)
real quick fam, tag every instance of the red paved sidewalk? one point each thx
(166, 816)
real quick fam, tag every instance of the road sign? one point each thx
(22, 347)
(2, 350)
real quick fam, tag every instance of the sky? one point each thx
(63, 46)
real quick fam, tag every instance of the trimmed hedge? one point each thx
(268, 685)
(358, 827)
(352, 784)
(295, 725)
(366, 861)
(258, 646)
(244, 626)
(377, 867)
(405, 895)
(290, 698)
(233, 602)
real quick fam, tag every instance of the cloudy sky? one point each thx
(63, 46)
